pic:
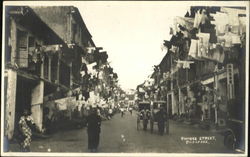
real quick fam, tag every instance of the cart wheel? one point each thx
(229, 141)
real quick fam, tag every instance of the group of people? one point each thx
(123, 110)
(160, 117)
(93, 122)
(26, 128)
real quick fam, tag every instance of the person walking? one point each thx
(122, 112)
(93, 129)
(110, 113)
(26, 125)
(161, 118)
(130, 110)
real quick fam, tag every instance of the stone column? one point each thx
(11, 103)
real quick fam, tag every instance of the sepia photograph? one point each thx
(125, 78)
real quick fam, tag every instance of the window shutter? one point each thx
(22, 45)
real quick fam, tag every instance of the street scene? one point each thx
(126, 138)
(132, 77)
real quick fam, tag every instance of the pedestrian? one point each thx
(130, 110)
(161, 118)
(110, 113)
(93, 129)
(26, 125)
(122, 112)
(145, 119)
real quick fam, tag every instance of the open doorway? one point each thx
(23, 97)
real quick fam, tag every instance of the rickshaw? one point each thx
(155, 108)
(143, 105)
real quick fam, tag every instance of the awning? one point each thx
(51, 48)
(208, 81)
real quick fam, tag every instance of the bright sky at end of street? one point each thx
(132, 34)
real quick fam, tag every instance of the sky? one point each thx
(132, 34)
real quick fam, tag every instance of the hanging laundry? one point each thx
(203, 44)
(228, 10)
(193, 50)
(229, 39)
(217, 54)
(242, 26)
(234, 29)
(235, 39)
(221, 22)
(200, 18)
(233, 18)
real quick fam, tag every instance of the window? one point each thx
(31, 41)
(22, 49)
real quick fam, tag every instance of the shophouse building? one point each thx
(44, 49)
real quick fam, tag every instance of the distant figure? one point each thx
(110, 112)
(130, 110)
(94, 129)
(26, 124)
(161, 118)
(122, 112)
(146, 117)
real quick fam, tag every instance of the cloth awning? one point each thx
(51, 48)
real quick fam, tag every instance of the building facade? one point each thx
(44, 48)
(201, 77)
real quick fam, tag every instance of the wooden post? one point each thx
(11, 103)
(13, 36)
(49, 69)
(58, 68)
(215, 96)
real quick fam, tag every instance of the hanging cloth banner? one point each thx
(51, 48)
(184, 64)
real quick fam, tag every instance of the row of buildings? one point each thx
(202, 75)
(50, 55)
